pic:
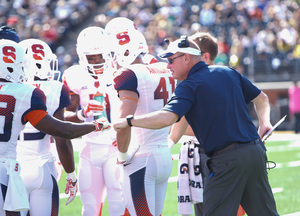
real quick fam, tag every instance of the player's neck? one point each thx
(138, 60)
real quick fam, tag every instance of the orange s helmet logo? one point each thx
(9, 54)
(12, 61)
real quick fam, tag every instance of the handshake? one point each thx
(102, 124)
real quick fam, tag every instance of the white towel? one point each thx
(196, 181)
(190, 185)
(16, 196)
(183, 191)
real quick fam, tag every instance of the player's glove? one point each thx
(102, 124)
(91, 109)
(71, 187)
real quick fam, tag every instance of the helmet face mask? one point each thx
(95, 63)
(93, 50)
(42, 61)
(12, 61)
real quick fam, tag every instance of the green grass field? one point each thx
(284, 180)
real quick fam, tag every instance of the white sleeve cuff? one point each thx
(170, 143)
(122, 156)
(72, 176)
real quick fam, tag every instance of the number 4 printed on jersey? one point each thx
(162, 91)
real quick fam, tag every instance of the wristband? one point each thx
(170, 143)
(72, 176)
(122, 156)
(129, 118)
(80, 115)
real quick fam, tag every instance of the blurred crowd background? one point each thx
(258, 37)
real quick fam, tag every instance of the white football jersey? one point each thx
(33, 143)
(16, 100)
(88, 88)
(154, 85)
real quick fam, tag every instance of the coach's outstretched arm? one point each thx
(153, 120)
(262, 108)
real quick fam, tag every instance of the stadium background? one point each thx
(258, 37)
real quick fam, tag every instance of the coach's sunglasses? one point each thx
(171, 60)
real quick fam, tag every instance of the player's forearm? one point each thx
(178, 130)
(65, 153)
(75, 130)
(189, 131)
(72, 110)
(66, 130)
(123, 139)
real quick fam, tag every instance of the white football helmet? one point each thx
(118, 25)
(94, 41)
(12, 61)
(42, 61)
(128, 42)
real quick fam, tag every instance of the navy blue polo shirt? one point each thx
(214, 101)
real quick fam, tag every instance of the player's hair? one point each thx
(206, 43)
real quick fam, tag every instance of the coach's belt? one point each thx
(235, 145)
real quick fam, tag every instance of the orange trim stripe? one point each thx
(35, 116)
(122, 98)
(101, 207)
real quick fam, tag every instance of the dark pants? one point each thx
(239, 177)
(198, 209)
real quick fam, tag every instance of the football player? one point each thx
(141, 88)
(19, 104)
(113, 27)
(91, 88)
(39, 165)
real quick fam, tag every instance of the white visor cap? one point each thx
(179, 46)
